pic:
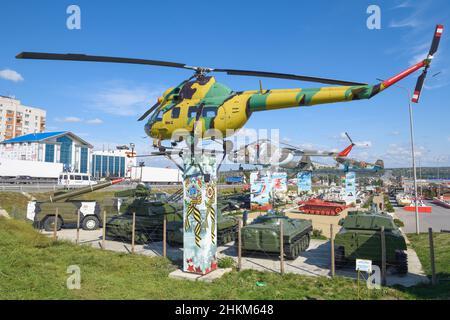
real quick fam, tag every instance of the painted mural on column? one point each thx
(260, 188)
(304, 181)
(199, 214)
(279, 183)
(350, 187)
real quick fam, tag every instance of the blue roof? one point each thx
(34, 137)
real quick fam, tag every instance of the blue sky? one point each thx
(101, 102)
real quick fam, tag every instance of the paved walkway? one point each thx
(313, 262)
(438, 219)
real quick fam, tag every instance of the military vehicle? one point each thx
(263, 235)
(206, 108)
(150, 209)
(226, 227)
(43, 213)
(360, 238)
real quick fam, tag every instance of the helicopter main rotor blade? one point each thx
(84, 57)
(288, 76)
(145, 115)
(198, 70)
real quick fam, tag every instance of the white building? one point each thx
(57, 147)
(112, 163)
(17, 119)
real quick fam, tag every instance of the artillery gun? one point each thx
(360, 238)
(43, 213)
(263, 235)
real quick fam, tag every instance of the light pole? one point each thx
(411, 129)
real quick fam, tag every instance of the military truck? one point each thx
(360, 238)
(263, 235)
(43, 213)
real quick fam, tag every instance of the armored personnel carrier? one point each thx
(43, 213)
(360, 238)
(263, 235)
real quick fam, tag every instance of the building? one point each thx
(112, 163)
(17, 120)
(58, 147)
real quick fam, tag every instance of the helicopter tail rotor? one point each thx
(433, 49)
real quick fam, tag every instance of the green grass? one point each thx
(33, 266)
(14, 203)
(420, 244)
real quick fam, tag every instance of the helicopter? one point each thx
(203, 108)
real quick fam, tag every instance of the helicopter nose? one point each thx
(147, 128)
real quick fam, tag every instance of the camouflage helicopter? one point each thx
(205, 108)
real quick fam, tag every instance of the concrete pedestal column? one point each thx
(199, 214)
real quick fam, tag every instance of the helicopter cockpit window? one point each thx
(159, 116)
(192, 112)
(209, 112)
(175, 113)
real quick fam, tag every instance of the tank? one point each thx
(321, 207)
(263, 235)
(43, 213)
(360, 238)
(150, 211)
(226, 230)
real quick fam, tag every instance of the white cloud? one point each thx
(363, 144)
(69, 119)
(410, 22)
(11, 75)
(94, 121)
(123, 101)
(395, 133)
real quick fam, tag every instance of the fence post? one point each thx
(133, 232)
(104, 229)
(78, 226)
(239, 266)
(55, 225)
(281, 247)
(433, 266)
(164, 236)
(333, 269)
(383, 257)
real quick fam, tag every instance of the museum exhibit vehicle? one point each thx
(263, 235)
(360, 238)
(43, 213)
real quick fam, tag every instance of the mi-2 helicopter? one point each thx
(202, 107)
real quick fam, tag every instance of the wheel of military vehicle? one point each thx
(308, 241)
(49, 223)
(339, 257)
(291, 251)
(401, 262)
(90, 223)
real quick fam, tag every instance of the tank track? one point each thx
(300, 244)
(401, 262)
(226, 235)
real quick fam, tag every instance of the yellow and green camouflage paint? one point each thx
(202, 104)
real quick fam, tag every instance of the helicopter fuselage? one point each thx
(208, 108)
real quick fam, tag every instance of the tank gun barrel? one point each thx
(84, 190)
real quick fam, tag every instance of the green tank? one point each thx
(226, 229)
(150, 210)
(263, 235)
(360, 238)
(43, 213)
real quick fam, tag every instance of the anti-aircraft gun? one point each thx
(43, 213)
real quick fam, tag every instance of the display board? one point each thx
(304, 181)
(199, 214)
(260, 189)
(350, 187)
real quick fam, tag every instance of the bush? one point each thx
(226, 262)
(317, 234)
(399, 223)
